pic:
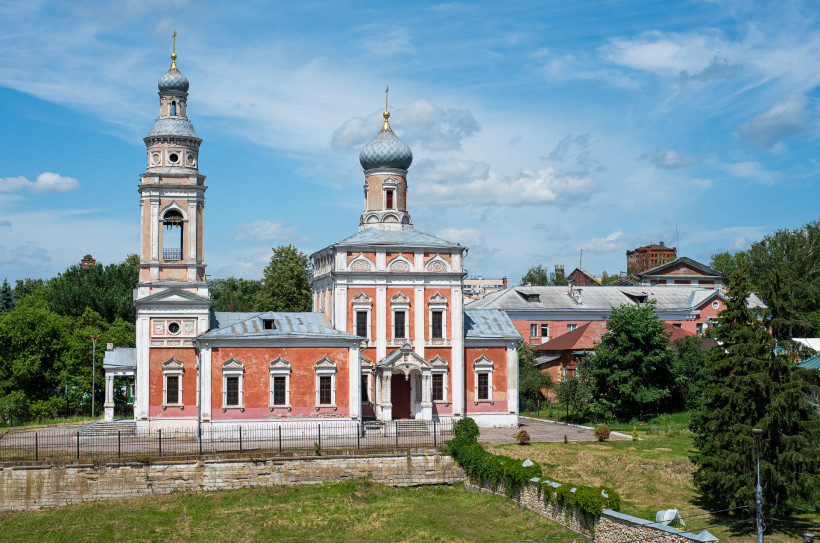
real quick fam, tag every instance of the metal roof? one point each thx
(225, 325)
(658, 270)
(120, 357)
(812, 363)
(401, 238)
(172, 127)
(488, 323)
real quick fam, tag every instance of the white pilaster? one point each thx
(108, 406)
(381, 260)
(512, 379)
(340, 308)
(381, 320)
(205, 380)
(141, 379)
(418, 311)
(355, 375)
(154, 229)
(457, 333)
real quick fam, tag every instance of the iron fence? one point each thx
(284, 439)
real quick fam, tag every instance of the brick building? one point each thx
(648, 256)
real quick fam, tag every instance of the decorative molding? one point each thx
(362, 298)
(483, 363)
(366, 361)
(173, 364)
(159, 328)
(399, 264)
(279, 365)
(439, 363)
(233, 365)
(437, 264)
(361, 263)
(189, 327)
(437, 299)
(400, 299)
(325, 365)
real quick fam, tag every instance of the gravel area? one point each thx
(539, 430)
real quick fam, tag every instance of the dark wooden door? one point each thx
(400, 396)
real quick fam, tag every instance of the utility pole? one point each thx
(759, 489)
(93, 368)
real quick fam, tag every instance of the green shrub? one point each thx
(602, 432)
(522, 437)
(466, 428)
(634, 433)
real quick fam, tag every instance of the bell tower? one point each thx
(172, 297)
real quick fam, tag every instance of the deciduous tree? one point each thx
(286, 282)
(234, 294)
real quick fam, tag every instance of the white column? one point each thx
(457, 363)
(108, 406)
(154, 229)
(512, 379)
(354, 361)
(141, 379)
(419, 312)
(192, 240)
(387, 406)
(340, 309)
(205, 380)
(381, 321)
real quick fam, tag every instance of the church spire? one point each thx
(174, 52)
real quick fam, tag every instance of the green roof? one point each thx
(812, 363)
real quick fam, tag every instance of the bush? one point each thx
(602, 432)
(634, 433)
(466, 428)
(522, 437)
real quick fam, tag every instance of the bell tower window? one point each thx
(388, 200)
(173, 108)
(172, 238)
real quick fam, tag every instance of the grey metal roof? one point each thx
(403, 238)
(120, 357)
(173, 127)
(488, 324)
(667, 297)
(226, 325)
(386, 150)
(173, 81)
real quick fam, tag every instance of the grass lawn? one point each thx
(658, 424)
(354, 510)
(651, 474)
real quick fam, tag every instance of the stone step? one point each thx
(412, 427)
(103, 428)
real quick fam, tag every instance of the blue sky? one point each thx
(537, 128)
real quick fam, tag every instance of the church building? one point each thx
(388, 337)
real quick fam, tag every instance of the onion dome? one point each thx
(386, 150)
(173, 80)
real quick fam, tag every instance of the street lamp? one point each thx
(759, 489)
(93, 368)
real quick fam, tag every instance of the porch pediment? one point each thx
(403, 360)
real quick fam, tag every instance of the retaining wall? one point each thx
(44, 485)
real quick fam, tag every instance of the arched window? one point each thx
(172, 238)
(173, 108)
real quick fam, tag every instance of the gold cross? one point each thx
(175, 41)
(387, 90)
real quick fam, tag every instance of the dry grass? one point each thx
(651, 474)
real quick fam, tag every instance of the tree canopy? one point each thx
(631, 370)
(531, 381)
(540, 276)
(234, 294)
(747, 385)
(286, 282)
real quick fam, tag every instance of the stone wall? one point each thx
(610, 527)
(35, 486)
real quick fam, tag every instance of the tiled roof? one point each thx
(812, 363)
(585, 337)
(173, 127)
(403, 238)
(488, 323)
(676, 332)
(173, 81)
(227, 325)
(386, 150)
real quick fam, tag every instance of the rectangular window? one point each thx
(279, 390)
(171, 389)
(389, 203)
(483, 392)
(361, 323)
(365, 391)
(398, 327)
(700, 329)
(438, 387)
(438, 324)
(268, 324)
(232, 391)
(545, 331)
(533, 330)
(571, 327)
(325, 397)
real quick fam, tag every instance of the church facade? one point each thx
(388, 337)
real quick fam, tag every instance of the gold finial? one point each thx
(386, 114)
(174, 51)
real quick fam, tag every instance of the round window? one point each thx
(715, 304)
(173, 157)
(173, 328)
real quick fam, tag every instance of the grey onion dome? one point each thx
(386, 150)
(173, 81)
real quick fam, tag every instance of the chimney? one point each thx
(504, 280)
(559, 269)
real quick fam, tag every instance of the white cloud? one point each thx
(47, 182)
(458, 182)
(669, 159)
(752, 170)
(786, 118)
(266, 231)
(422, 123)
(469, 237)
(613, 242)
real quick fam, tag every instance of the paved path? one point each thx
(539, 430)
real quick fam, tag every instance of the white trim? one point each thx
(440, 367)
(326, 368)
(362, 302)
(233, 368)
(438, 264)
(400, 302)
(172, 367)
(280, 368)
(437, 302)
(483, 365)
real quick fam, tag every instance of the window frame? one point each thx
(400, 304)
(484, 366)
(534, 329)
(440, 367)
(574, 327)
(233, 368)
(362, 302)
(325, 368)
(172, 368)
(437, 302)
(280, 368)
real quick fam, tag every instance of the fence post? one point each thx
(200, 442)
(280, 440)
(78, 445)
(359, 436)
(240, 439)
(319, 427)
(435, 443)
(36, 447)
(159, 439)
(396, 426)
(119, 444)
